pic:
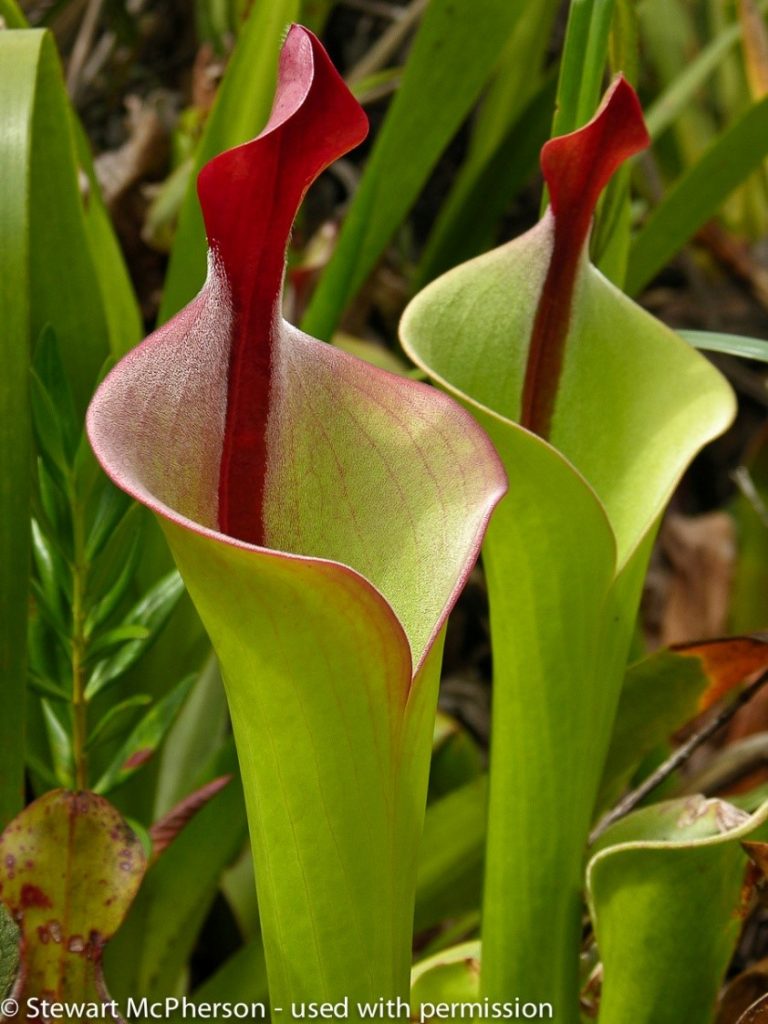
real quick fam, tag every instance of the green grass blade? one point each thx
(450, 871)
(730, 344)
(241, 109)
(145, 738)
(16, 102)
(511, 125)
(678, 96)
(63, 281)
(698, 194)
(583, 63)
(452, 56)
(669, 39)
(118, 297)
(314, 13)
(519, 76)
(12, 15)
(484, 189)
(197, 735)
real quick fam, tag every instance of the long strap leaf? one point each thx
(452, 57)
(697, 195)
(14, 425)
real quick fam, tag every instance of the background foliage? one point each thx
(107, 112)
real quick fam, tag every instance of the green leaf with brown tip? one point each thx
(69, 870)
(667, 689)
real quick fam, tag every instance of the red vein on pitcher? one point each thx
(249, 197)
(576, 167)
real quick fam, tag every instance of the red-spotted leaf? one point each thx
(69, 870)
(324, 515)
(535, 341)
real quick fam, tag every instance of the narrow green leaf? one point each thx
(518, 76)
(482, 192)
(60, 744)
(730, 344)
(450, 60)
(510, 126)
(49, 367)
(749, 592)
(582, 66)
(449, 880)
(47, 688)
(116, 637)
(241, 110)
(15, 426)
(198, 734)
(624, 41)
(11, 14)
(144, 739)
(151, 612)
(679, 94)
(118, 588)
(118, 296)
(48, 430)
(51, 509)
(107, 727)
(670, 38)
(113, 506)
(121, 307)
(50, 209)
(51, 612)
(49, 569)
(697, 195)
